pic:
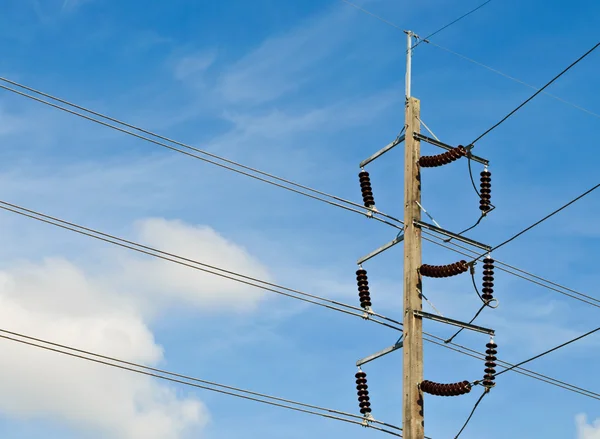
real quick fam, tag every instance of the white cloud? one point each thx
(172, 282)
(586, 430)
(192, 67)
(55, 300)
(283, 63)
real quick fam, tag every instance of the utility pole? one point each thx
(413, 384)
(413, 421)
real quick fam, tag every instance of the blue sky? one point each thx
(306, 90)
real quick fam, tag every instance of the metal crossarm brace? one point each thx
(453, 322)
(441, 231)
(382, 151)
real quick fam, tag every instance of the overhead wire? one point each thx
(512, 238)
(191, 263)
(450, 24)
(351, 205)
(522, 274)
(489, 130)
(512, 78)
(439, 341)
(473, 61)
(365, 11)
(124, 243)
(195, 382)
(485, 392)
(587, 334)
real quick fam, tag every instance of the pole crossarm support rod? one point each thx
(381, 249)
(382, 151)
(380, 353)
(445, 232)
(453, 322)
(442, 145)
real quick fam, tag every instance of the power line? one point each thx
(512, 78)
(480, 64)
(383, 20)
(536, 93)
(336, 306)
(451, 23)
(485, 392)
(507, 268)
(301, 188)
(512, 238)
(160, 254)
(550, 350)
(196, 382)
(439, 341)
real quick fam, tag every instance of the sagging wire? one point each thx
(484, 193)
(485, 392)
(488, 289)
(488, 378)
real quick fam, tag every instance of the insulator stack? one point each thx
(488, 279)
(362, 392)
(453, 389)
(490, 364)
(363, 288)
(365, 187)
(432, 161)
(444, 270)
(485, 191)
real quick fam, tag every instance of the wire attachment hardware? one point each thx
(444, 270)
(367, 191)
(452, 389)
(432, 161)
(363, 393)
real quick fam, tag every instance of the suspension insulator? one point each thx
(490, 365)
(432, 161)
(363, 288)
(453, 389)
(488, 279)
(485, 192)
(362, 392)
(367, 191)
(444, 270)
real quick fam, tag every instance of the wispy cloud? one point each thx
(587, 430)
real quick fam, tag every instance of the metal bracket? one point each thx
(382, 151)
(454, 322)
(381, 353)
(383, 248)
(442, 145)
(472, 242)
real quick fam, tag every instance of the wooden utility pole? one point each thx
(413, 424)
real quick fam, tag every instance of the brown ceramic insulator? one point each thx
(365, 187)
(362, 392)
(490, 364)
(488, 279)
(485, 191)
(432, 161)
(363, 288)
(439, 271)
(452, 389)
